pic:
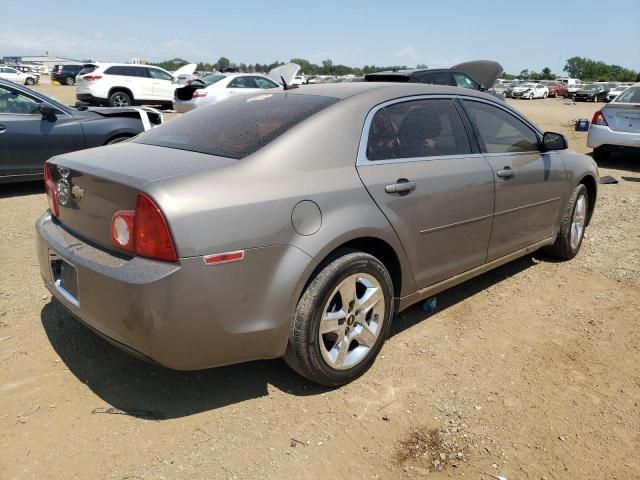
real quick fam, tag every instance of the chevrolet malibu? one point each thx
(296, 224)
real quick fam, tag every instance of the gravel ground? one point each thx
(529, 372)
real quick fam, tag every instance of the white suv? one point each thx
(122, 85)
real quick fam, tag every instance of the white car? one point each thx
(572, 89)
(530, 91)
(16, 76)
(615, 91)
(123, 85)
(219, 86)
(616, 127)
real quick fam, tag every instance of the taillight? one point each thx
(143, 231)
(598, 119)
(90, 78)
(198, 94)
(52, 191)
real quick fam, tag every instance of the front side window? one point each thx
(416, 129)
(264, 83)
(499, 131)
(159, 74)
(463, 81)
(13, 102)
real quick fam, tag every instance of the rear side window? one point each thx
(238, 126)
(501, 132)
(415, 129)
(127, 71)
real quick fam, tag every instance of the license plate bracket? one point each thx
(65, 278)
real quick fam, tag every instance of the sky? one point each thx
(517, 34)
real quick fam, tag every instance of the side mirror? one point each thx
(482, 88)
(553, 141)
(48, 111)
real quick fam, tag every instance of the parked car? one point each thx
(16, 76)
(592, 92)
(250, 229)
(572, 89)
(530, 91)
(614, 92)
(65, 74)
(555, 89)
(298, 80)
(216, 87)
(616, 126)
(34, 128)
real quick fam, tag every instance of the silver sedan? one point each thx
(296, 224)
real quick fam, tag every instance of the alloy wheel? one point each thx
(577, 224)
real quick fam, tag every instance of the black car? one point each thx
(592, 92)
(34, 128)
(477, 75)
(65, 74)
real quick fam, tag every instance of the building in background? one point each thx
(46, 61)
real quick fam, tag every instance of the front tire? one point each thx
(120, 99)
(544, 95)
(341, 321)
(29, 81)
(572, 226)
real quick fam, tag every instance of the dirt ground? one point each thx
(529, 372)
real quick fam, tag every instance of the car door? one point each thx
(10, 74)
(435, 188)
(27, 139)
(161, 84)
(529, 185)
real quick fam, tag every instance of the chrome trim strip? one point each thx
(456, 224)
(66, 295)
(423, 293)
(504, 212)
(53, 256)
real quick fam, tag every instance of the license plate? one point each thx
(65, 279)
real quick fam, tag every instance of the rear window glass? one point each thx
(236, 127)
(630, 95)
(87, 69)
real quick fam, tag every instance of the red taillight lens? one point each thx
(598, 119)
(143, 231)
(198, 94)
(52, 191)
(90, 78)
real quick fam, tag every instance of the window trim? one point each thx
(36, 99)
(362, 159)
(480, 141)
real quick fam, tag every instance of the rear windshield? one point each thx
(236, 127)
(211, 79)
(630, 95)
(87, 69)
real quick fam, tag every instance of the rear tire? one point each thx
(70, 81)
(120, 99)
(572, 226)
(333, 341)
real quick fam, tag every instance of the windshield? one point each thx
(528, 85)
(590, 86)
(238, 126)
(630, 95)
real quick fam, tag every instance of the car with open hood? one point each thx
(529, 91)
(34, 128)
(297, 223)
(616, 126)
(220, 86)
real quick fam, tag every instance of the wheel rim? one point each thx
(120, 101)
(577, 225)
(352, 321)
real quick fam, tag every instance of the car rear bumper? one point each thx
(602, 135)
(182, 315)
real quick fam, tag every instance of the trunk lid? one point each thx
(101, 181)
(622, 117)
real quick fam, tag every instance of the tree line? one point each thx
(575, 67)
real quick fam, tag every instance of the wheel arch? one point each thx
(126, 90)
(592, 189)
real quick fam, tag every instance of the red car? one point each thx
(556, 89)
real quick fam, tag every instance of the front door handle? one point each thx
(401, 187)
(2, 128)
(507, 172)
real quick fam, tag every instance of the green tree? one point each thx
(547, 74)
(422, 66)
(222, 63)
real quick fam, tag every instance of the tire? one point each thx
(70, 81)
(600, 154)
(531, 96)
(120, 99)
(29, 81)
(595, 99)
(572, 226)
(544, 95)
(331, 358)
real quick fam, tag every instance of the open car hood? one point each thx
(186, 70)
(485, 72)
(287, 71)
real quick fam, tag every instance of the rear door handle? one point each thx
(2, 128)
(507, 172)
(402, 187)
